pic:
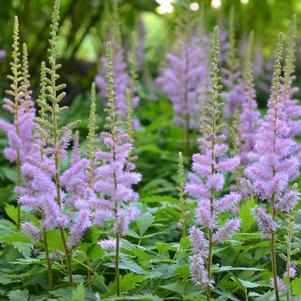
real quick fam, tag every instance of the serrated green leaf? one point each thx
(24, 248)
(246, 216)
(144, 222)
(11, 212)
(78, 294)
(296, 286)
(55, 241)
(18, 295)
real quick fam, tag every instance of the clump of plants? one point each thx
(85, 225)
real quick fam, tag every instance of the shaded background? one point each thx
(83, 29)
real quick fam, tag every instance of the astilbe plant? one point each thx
(125, 72)
(232, 75)
(292, 106)
(185, 79)
(248, 122)
(207, 182)
(19, 103)
(249, 117)
(45, 184)
(275, 166)
(114, 178)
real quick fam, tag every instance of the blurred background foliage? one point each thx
(85, 23)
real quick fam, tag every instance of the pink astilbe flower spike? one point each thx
(226, 231)
(288, 90)
(231, 74)
(31, 230)
(209, 167)
(20, 104)
(80, 224)
(122, 79)
(275, 166)
(249, 117)
(199, 274)
(185, 80)
(292, 271)
(198, 241)
(113, 180)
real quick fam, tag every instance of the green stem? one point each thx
(68, 253)
(209, 265)
(273, 253)
(49, 265)
(288, 264)
(89, 272)
(117, 264)
(18, 182)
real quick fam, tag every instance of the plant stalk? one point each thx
(68, 253)
(273, 253)
(49, 265)
(117, 264)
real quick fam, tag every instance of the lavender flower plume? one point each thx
(226, 231)
(249, 118)
(20, 104)
(292, 106)
(232, 76)
(31, 230)
(80, 224)
(292, 271)
(198, 271)
(207, 179)
(265, 223)
(112, 179)
(198, 241)
(185, 79)
(122, 80)
(275, 166)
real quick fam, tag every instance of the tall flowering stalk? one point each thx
(248, 123)
(125, 73)
(292, 106)
(181, 194)
(232, 76)
(184, 80)
(54, 140)
(114, 178)
(249, 118)
(20, 104)
(40, 152)
(206, 183)
(275, 166)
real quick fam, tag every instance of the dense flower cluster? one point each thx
(231, 74)
(207, 181)
(185, 80)
(276, 166)
(122, 79)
